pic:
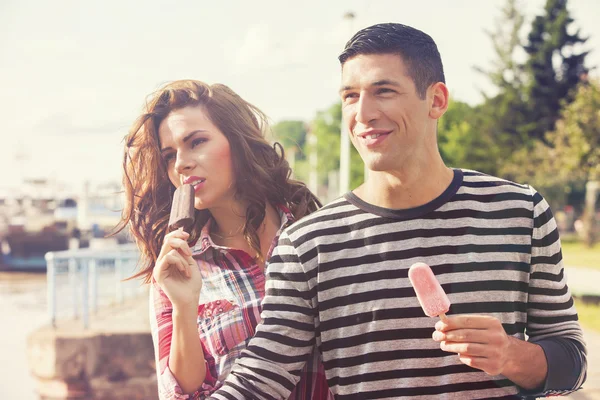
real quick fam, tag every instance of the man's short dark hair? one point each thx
(417, 49)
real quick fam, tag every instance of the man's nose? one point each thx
(366, 109)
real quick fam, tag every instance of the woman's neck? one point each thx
(229, 219)
(228, 229)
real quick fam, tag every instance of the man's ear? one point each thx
(438, 96)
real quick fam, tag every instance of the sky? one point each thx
(74, 75)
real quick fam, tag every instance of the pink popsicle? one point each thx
(430, 294)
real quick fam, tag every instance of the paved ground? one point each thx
(29, 307)
(135, 312)
(591, 388)
(586, 282)
(130, 316)
(583, 281)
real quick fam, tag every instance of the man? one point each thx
(338, 278)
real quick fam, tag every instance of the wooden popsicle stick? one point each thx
(443, 317)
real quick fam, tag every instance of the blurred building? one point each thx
(43, 215)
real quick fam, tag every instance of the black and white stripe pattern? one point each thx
(338, 279)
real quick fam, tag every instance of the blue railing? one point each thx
(79, 281)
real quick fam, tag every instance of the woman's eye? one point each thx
(167, 158)
(197, 141)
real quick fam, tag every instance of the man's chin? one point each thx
(377, 166)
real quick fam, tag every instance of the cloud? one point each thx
(263, 49)
(257, 45)
(63, 124)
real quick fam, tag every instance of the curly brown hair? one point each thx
(262, 175)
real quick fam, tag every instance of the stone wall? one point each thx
(113, 359)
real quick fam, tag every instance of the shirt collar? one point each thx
(205, 242)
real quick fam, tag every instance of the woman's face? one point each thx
(195, 151)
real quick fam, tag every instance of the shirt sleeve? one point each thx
(552, 319)
(270, 366)
(161, 328)
(567, 358)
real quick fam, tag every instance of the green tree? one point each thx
(292, 135)
(357, 169)
(506, 41)
(460, 144)
(554, 67)
(534, 165)
(575, 143)
(575, 148)
(498, 119)
(569, 157)
(326, 126)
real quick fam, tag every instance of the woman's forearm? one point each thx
(186, 359)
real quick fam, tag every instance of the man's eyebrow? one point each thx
(382, 82)
(386, 82)
(185, 139)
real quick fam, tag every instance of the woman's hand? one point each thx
(177, 272)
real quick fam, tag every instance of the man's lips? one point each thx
(373, 133)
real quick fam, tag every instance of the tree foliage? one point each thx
(554, 67)
(327, 128)
(461, 144)
(513, 132)
(291, 135)
(575, 143)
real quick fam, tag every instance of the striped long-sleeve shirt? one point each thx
(338, 280)
(228, 312)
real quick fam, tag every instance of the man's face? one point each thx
(387, 121)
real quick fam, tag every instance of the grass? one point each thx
(576, 254)
(589, 315)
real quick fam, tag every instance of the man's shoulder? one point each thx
(329, 215)
(478, 180)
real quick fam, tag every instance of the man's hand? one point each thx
(479, 340)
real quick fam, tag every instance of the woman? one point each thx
(207, 286)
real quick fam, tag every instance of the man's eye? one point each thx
(384, 91)
(348, 96)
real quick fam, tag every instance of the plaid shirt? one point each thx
(228, 312)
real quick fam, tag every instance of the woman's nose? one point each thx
(183, 163)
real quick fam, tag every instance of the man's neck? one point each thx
(409, 187)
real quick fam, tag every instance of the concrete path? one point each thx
(586, 282)
(583, 281)
(591, 388)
